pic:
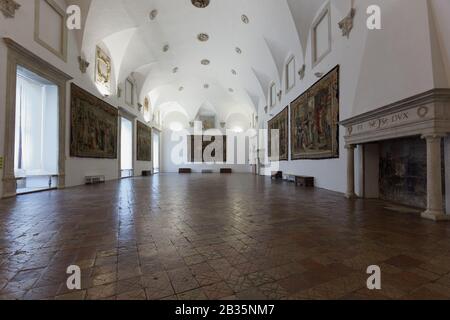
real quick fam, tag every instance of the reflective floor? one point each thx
(216, 237)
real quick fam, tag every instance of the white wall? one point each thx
(21, 30)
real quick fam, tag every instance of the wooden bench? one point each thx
(301, 181)
(184, 170)
(226, 171)
(277, 175)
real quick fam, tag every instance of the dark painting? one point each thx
(281, 123)
(144, 142)
(197, 145)
(314, 120)
(94, 126)
(403, 171)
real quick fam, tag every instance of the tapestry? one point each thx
(314, 120)
(144, 142)
(205, 149)
(281, 123)
(93, 125)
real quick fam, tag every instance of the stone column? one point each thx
(435, 207)
(350, 171)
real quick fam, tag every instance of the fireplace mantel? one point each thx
(426, 115)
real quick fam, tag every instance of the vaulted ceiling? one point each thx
(247, 45)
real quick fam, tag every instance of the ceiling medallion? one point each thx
(205, 62)
(153, 14)
(231, 90)
(175, 70)
(200, 3)
(233, 72)
(203, 37)
(181, 89)
(238, 50)
(206, 86)
(166, 48)
(245, 19)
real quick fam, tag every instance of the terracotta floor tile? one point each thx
(197, 236)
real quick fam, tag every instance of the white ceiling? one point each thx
(135, 43)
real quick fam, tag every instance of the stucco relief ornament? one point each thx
(301, 72)
(346, 25)
(9, 7)
(153, 14)
(83, 64)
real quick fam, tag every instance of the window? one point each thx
(126, 148)
(50, 27)
(321, 36)
(129, 90)
(290, 74)
(36, 132)
(273, 95)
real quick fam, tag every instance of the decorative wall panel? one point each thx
(103, 69)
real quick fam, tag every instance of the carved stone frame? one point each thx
(19, 56)
(325, 14)
(62, 53)
(288, 63)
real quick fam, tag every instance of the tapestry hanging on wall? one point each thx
(144, 142)
(281, 123)
(314, 120)
(207, 149)
(93, 125)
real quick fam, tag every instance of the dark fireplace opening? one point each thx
(403, 171)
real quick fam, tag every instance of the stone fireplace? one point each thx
(402, 152)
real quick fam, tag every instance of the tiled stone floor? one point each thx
(216, 237)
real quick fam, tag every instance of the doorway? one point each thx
(156, 151)
(126, 148)
(36, 133)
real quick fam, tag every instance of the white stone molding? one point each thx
(18, 55)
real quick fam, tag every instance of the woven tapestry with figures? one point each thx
(314, 120)
(279, 151)
(93, 125)
(144, 142)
